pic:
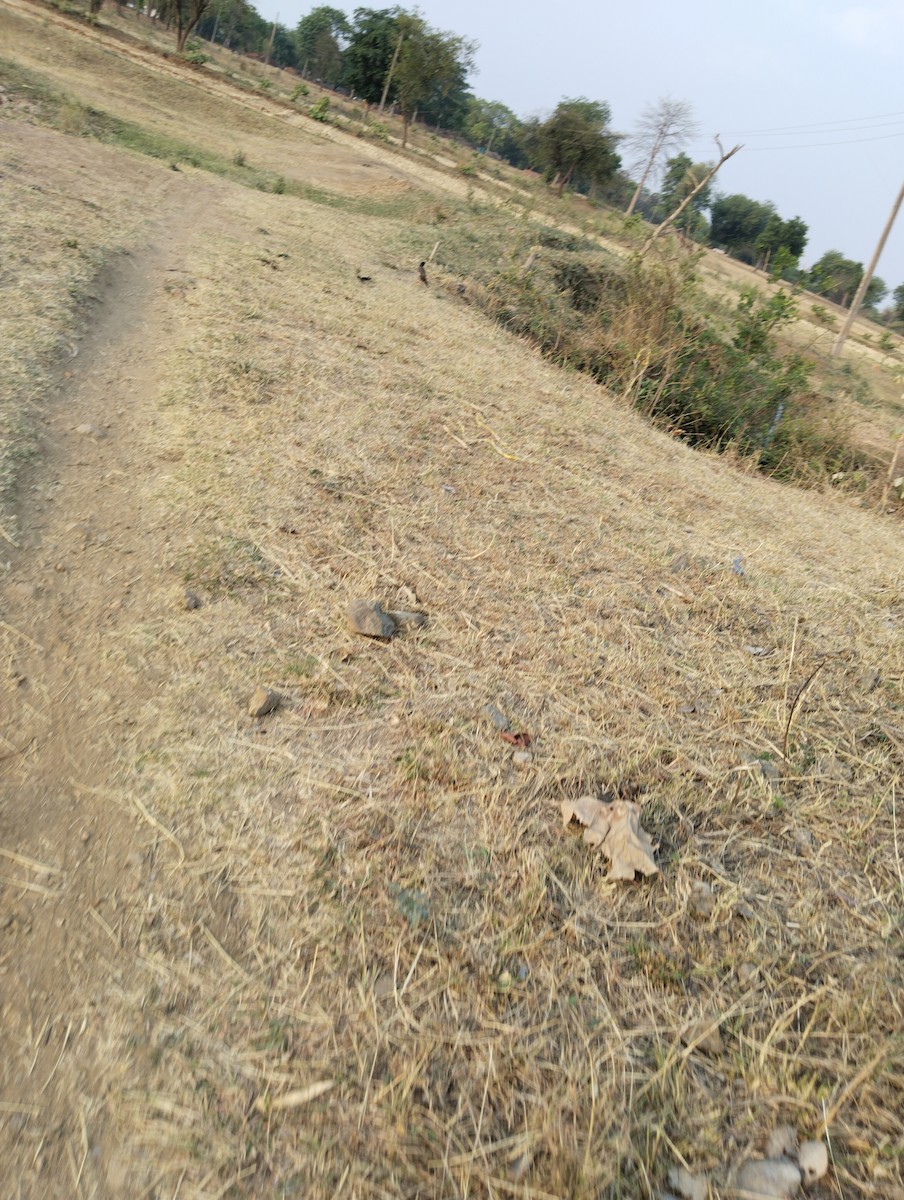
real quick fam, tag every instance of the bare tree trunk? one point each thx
(406, 121)
(389, 75)
(643, 179)
(686, 201)
(561, 181)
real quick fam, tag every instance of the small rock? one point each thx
(264, 701)
(704, 1037)
(770, 771)
(870, 679)
(408, 620)
(813, 1158)
(828, 767)
(190, 600)
(384, 986)
(367, 618)
(769, 1179)
(521, 1165)
(680, 562)
(691, 1187)
(803, 840)
(522, 758)
(499, 720)
(89, 430)
(26, 590)
(782, 1142)
(701, 902)
(747, 973)
(744, 911)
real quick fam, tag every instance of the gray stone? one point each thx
(870, 679)
(190, 600)
(813, 1158)
(769, 1179)
(408, 620)
(705, 1036)
(499, 720)
(89, 430)
(264, 701)
(522, 758)
(367, 618)
(701, 901)
(691, 1187)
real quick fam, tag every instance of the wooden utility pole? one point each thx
(688, 198)
(270, 43)
(390, 72)
(867, 276)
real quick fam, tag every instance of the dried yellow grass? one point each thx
(373, 896)
(405, 916)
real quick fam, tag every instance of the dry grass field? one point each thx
(347, 948)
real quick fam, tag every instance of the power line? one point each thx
(853, 129)
(803, 128)
(884, 137)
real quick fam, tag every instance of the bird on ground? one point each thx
(422, 272)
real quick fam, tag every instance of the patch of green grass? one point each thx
(70, 116)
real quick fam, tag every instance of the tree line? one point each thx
(393, 58)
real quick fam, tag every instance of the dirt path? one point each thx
(70, 849)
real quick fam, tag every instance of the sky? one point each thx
(814, 91)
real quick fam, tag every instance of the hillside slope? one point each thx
(346, 948)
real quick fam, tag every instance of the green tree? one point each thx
(430, 65)
(575, 145)
(489, 125)
(876, 291)
(835, 277)
(681, 176)
(374, 37)
(736, 223)
(184, 14)
(319, 42)
(778, 235)
(898, 299)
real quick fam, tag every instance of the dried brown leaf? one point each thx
(616, 829)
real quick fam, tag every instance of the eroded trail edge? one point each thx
(89, 571)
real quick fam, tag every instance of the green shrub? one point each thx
(194, 54)
(641, 329)
(318, 111)
(300, 89)
(822, 316)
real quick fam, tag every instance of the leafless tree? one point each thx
(724, 156)
(663, 126)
